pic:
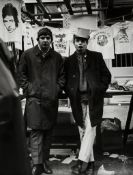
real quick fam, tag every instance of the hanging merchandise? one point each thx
(61, 41)
(101, 40)
(123, 37)
(28, 34)
(10, 20)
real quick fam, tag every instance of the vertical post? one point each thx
(128, 121)
(101, 14)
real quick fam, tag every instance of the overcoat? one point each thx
(98, 78)
(13, 151)
(41, 78)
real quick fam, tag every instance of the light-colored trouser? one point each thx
(87, 137)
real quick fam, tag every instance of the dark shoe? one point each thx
(90, 168)
(83, 168)
(37, 169)
(78, 163)
(47, 169)
(77, 167)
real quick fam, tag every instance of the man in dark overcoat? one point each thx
(87, 78)
(41, 76)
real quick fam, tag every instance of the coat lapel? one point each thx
(74, 64)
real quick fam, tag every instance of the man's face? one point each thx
(80, 44)
(9, 23)
(44, 41)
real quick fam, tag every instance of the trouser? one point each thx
(40, 142)
(87, 137)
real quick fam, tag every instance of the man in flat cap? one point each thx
(41, 76)
(87, 78)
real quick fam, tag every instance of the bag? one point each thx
(110, 134)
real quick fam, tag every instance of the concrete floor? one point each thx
(122, 165)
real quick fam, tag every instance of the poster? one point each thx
(61, 41)
(10, 20)
(28, 33)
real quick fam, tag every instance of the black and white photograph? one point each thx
(66, 87)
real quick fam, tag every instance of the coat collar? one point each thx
(88, 55)
(88, 58)
(38, 52)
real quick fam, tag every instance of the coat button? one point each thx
(74, 75)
